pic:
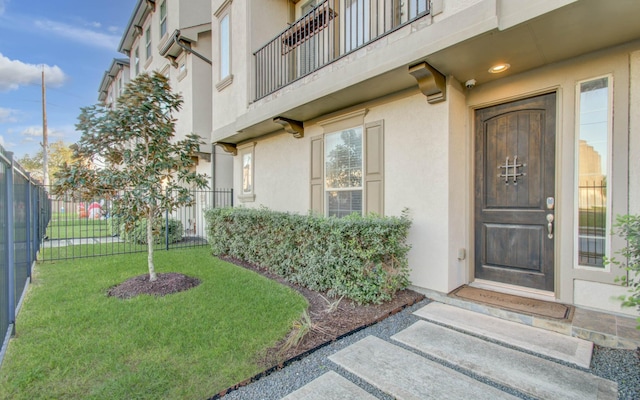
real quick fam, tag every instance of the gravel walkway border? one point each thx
(622, 366)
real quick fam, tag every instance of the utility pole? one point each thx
(45, 138)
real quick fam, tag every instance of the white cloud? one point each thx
(3, 6)
(33, 133)
(1, 138)
(7, 115)
(113, 29)
(79, 35)
(15, 73)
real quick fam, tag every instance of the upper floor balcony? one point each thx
(327, 32)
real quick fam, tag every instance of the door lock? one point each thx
(551, 202)
(550, 219)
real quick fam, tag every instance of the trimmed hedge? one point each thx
(362, 258)
(138, 235)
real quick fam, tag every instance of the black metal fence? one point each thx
(25, 210)
(88, 228)
(592, 223)
(329, 31)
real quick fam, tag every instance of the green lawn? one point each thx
(66, 226)
(74, 342)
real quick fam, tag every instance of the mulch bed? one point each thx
(165, 284)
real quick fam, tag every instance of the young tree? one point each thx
(129, 154)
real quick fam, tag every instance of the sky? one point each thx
(75, 41)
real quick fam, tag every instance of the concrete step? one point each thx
(406, 375)
(536, 340)
(526, 373)
(330, 386)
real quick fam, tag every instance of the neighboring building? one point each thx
(173, 37)
(113, 81)
(470, 113)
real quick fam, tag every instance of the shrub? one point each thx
(138, 235)
(628, 227)
(362, 258)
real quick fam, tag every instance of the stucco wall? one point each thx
(634, 137)
(417, 173)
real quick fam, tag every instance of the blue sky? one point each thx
(75, 40)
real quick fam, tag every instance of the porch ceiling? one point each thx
(578, 28)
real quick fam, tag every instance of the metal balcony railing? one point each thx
(331, 30)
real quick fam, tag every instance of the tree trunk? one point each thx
(152, 270)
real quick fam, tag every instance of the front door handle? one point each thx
(550, 219)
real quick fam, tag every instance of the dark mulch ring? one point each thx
(329, 325)
(165, 284)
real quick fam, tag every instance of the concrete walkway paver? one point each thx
(406, 375)
(551, 344)
(330, 386)
(534, 376)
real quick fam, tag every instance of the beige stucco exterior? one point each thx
(429, 148)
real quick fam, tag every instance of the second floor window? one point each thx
(357, 23)
(147, 37)
(136, 61)
(163, 18)
(225, 47)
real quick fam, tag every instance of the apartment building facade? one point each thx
(173, 37)
(114, 81)
(510, 130)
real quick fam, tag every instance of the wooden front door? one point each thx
(514, 192)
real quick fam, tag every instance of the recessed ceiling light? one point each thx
(496, 69)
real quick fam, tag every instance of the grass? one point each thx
(66, 226)
(74, 342)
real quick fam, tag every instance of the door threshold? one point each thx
(514, 290)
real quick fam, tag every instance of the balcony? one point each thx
(331, 30)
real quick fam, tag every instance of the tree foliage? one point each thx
(130, 154)
(59, 154)
(628, 227)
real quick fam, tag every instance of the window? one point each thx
(343, 172)
(594, 138)
(182, 66)
(225, 47)
(120, 85)
(163, 18)
(247, 159)
(417, 7)
(357, 23)
(147, 37)
(136, 60)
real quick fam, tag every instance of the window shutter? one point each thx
(374, 168)
(317, 175)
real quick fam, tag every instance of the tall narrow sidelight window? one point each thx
(225, 47)
(163, 18)
(343, 172)
(594, 125)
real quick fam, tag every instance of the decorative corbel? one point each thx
(151, 4)
(137, 30)
(228, 147)
(291, 126)
(431, 82)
